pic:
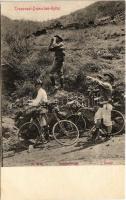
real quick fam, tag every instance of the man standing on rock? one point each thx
(57, 46)
(104, 111)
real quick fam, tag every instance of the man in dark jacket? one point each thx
(57, 46)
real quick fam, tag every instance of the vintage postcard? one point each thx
(63, 89)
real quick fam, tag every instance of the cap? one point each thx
(110, 75)
(59, 37)
(100, 76)
(38, 81)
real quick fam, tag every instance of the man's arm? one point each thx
(41, 97)
(58, 44)
(94, 79)
(99, 82)
(54, 45)
(53, 41)
(50, 46)
(37, 100)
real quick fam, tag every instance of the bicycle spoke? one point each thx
(117, 122)
(79, 121)
(65, 132)
(28, 131)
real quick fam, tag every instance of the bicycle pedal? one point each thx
(30, 148)
(44, 141)
(43, 147)
(21, 139)
(32, 141)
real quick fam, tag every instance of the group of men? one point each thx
(103, 114)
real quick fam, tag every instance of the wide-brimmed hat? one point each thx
(59, 37)
(38, 82)
(99, 76)
(110, 75)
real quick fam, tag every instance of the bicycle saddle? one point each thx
(62, 113)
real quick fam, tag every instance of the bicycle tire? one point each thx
(116, 129)
(28, 130)
(64, 136)
(79, 121)
(119, 118)
(88, 115)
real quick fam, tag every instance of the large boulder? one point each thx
(8, 126)
(9, 133)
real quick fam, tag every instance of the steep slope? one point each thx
(91, 13)
(97, 10)
(89, 50)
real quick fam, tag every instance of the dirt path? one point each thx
(110, 152)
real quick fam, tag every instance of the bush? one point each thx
(118, 48)
(91, 67)
(5, 103)
(25, 89)
(44, 58)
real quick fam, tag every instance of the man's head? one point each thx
(100, 77)
(109, 77)
(38, 83)
(58, 38)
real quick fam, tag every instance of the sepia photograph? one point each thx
(63, 83)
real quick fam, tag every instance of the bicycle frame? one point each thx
(38, 119)
(38, 123)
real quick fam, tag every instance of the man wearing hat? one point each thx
(40, 99)
(105, 107)
(57, 46)
(41, 94)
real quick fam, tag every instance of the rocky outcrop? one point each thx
(9, 133)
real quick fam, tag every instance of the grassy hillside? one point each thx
(91, 13)
(90, 51)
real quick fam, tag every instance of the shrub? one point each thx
(25, 89)
(116, 49)
(5, 104)
(44, 58)
(91, 67)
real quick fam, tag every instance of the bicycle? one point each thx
(64, 131)
(117, 118)
(84, 117)
(78, 119)
(73, 115)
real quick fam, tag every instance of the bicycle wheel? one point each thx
(88, 116)
(65, 132)
(118, 122)
(79, 120)
(28, 130)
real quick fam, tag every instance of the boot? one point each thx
(61, 82)
(52, 80)
(95, 134)
(108, 137)
(46, 133)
